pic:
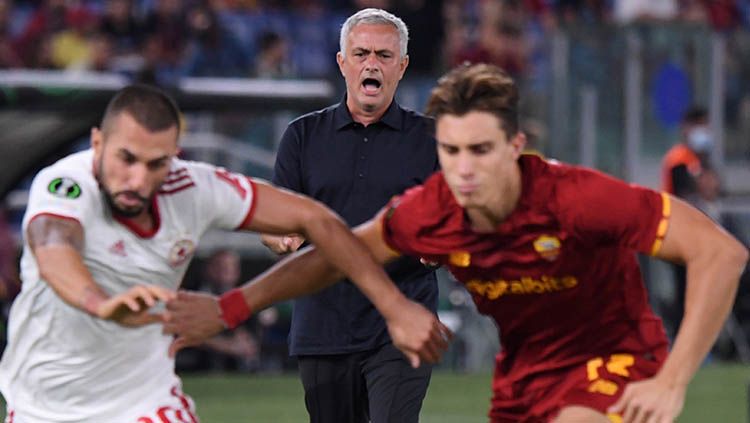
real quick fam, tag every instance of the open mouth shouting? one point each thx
(371, 86)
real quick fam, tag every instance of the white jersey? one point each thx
(63, 365)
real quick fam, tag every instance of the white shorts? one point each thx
(175, 408)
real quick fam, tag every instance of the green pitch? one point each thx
(718, 394)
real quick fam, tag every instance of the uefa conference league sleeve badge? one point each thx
(64, 188)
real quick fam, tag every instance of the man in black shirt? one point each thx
(353, 157)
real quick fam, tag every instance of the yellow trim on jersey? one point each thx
(656, 247)
(666, 204)
(661, 230)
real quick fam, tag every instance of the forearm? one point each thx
(281, 212)
(349, 255)
(62, 268)
(315, 268)
(711, 288)
(302, 273)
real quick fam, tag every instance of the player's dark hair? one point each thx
(695, 115)
(480, 87)
(151, 107)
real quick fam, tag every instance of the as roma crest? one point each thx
(548, 247)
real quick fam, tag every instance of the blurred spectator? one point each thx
(165, 24)
(314, 37)
(47, 19)
(424, 20)
(271, 60)
(8, 56)
(231, 350)
(724, 15)
(500, 38)
(457, 32)
(685, 161)
(693, 12)
(71, 47)
(213, 51)
(376, 4)
(40, 57)
(629, 11)
(101, 53)
(575, 12)
(156, 68)
(707, 193)
(120, 24)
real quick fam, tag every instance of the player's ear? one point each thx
(519, 143)
(97, 139)
(340, 61)
(402, 66)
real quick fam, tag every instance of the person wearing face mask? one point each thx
(353, 157)
(685, 161)
(687, 173)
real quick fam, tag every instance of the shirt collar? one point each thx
(393, 116)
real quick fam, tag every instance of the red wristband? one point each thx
(234, 308)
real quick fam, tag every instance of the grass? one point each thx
(718, 394)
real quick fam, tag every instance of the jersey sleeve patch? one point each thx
(64, 187)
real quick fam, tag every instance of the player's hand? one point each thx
(283, 244)
(418, 333)
(131, 308)
(652, 400)
(192, 317)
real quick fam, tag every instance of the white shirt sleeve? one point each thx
(227, 199)
(61, 192)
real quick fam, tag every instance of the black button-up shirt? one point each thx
(355, 170)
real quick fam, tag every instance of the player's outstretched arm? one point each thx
(414, 329)
(715, 260)
(57, 243)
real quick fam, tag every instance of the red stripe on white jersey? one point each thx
(251, 212)
(175, 179)
(180, 171)
(172, 190)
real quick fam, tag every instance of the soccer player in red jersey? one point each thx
(547, 250)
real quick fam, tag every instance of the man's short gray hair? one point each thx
(374, 16)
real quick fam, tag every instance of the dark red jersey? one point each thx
(559, 275)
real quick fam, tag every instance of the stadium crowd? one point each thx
(158, 40)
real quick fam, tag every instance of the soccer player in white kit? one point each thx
(109, 233)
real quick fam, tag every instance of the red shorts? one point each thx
(597, 384)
